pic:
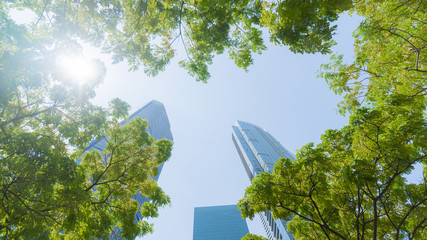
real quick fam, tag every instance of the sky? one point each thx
(279, 93)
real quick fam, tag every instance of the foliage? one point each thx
(390, 54)
(352, 185)
(46, 121)
(304, 26)
(251, 236)
(144, 32)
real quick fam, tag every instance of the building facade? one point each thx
(259, 151)
(219, 223)
(158, 127)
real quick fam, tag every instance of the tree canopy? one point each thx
(353, 184)
(46, 121)
(350, 186)
(390, 55)
(251, 236)
(145, 33)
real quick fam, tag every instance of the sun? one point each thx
(79, 68)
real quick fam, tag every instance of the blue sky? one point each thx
(280, 93)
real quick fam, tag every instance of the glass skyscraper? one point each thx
(259, 151)
(158, 127)
(219, 223)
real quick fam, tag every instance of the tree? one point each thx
(251, 236)
(144, 32)
(304, 26)
(42, 112)
(352, 185)
(390, 55)
(46, 121)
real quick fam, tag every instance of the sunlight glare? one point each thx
(77, 67)
(24, 16)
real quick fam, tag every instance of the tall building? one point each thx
(158, 127)
(259, 151)
(219, 223)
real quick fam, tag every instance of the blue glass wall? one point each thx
(259, 151)
(158, 127)
(219, 223)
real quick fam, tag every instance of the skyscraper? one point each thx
(158, 127)
(219, 223)
(259, 151)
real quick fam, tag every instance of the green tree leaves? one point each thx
(304, 26)
(389, 55)
(145, 33)
(44, 190)
(46, 121)
(353, 184)
(251, 236)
